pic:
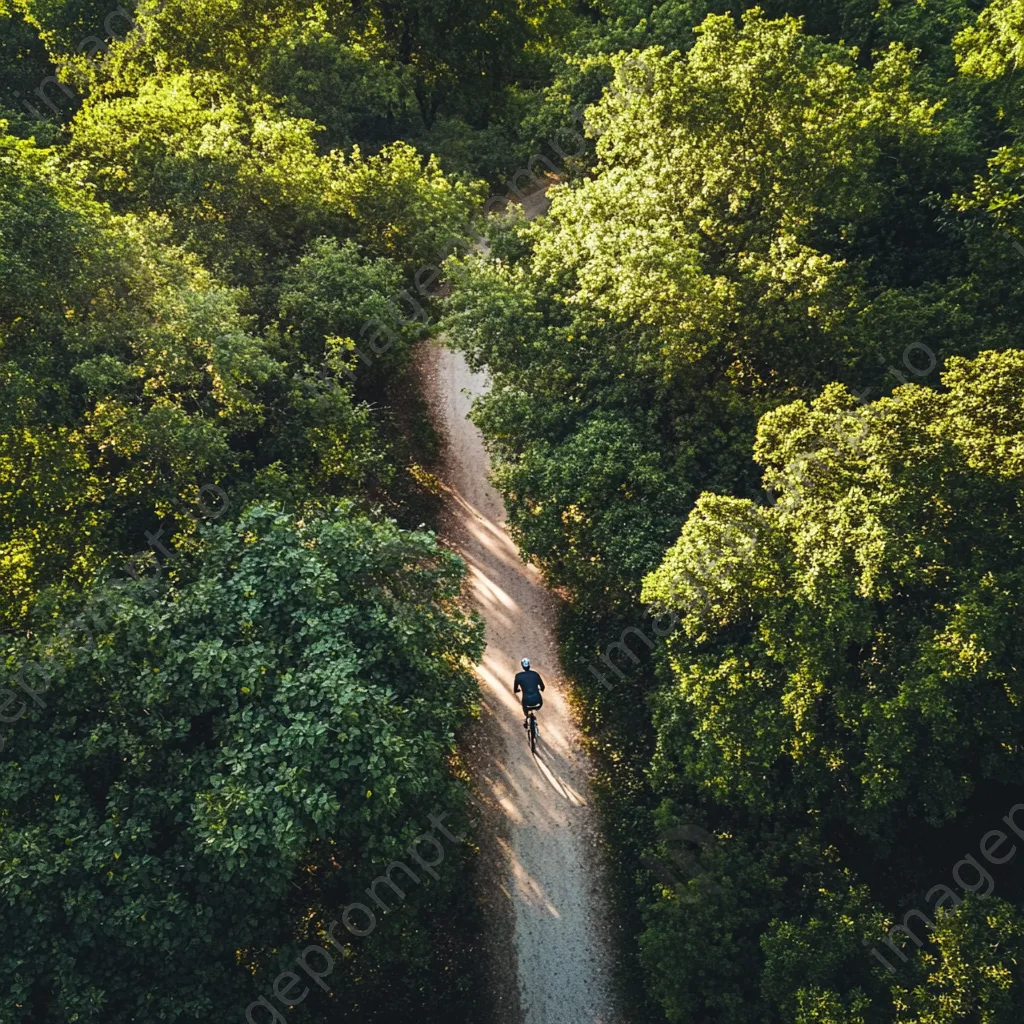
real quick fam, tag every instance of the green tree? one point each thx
(221, 765)
(844, 672)
(129, 378)
(243, 185)
(762, 220)
(124, 370)
(24, 67)
(246, 187)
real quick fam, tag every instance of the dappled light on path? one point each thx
(551, 856)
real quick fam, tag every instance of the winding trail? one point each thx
(542, 857)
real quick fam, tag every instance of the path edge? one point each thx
(476, 741)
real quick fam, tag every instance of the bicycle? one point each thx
(532, 730)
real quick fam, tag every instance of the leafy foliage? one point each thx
(283, 712)
(221, 232)
(133, 378)
(724, 257)
(844, 666)
(214, 278)
(783, 220)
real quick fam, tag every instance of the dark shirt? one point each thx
(530, 683)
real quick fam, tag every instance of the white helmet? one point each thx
(525, 663)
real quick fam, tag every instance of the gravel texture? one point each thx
(541, 878)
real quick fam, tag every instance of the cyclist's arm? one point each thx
(515, 685)
(540, 680)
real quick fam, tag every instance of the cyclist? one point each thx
(531, 684)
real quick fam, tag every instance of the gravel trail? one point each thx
(542, 865)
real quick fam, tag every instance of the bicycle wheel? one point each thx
(533, 735)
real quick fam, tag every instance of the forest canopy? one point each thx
(756, 373)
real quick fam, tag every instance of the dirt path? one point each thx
(543, 858)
